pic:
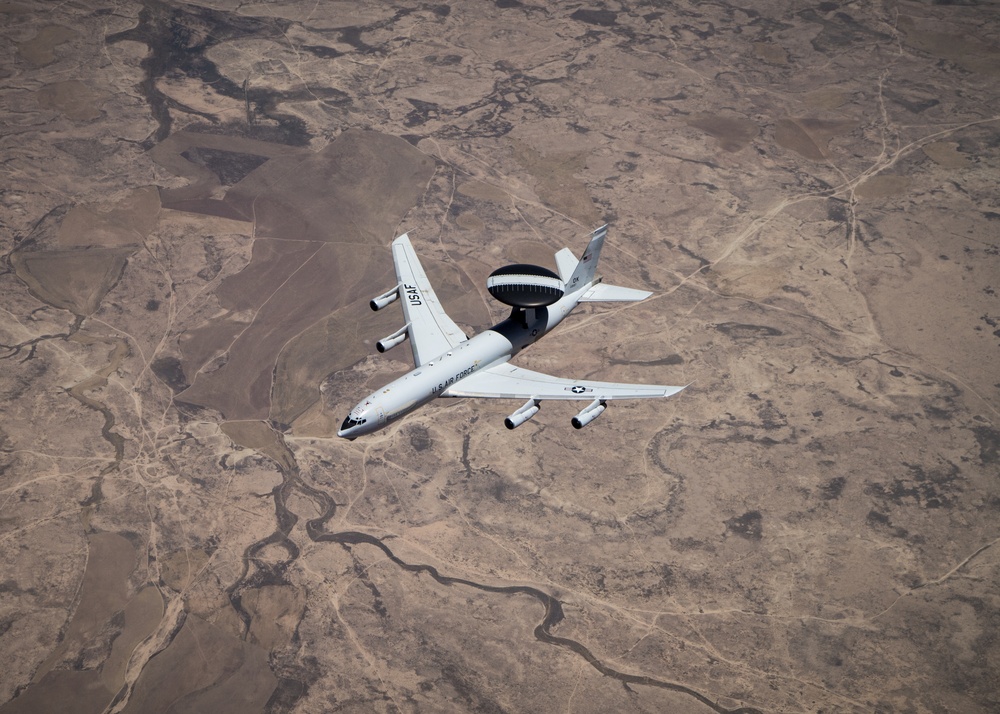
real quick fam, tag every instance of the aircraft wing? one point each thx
(431, 331)
(505, 381)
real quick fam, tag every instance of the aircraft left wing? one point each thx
(505, 381)
(431, 331)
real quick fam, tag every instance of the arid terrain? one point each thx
(197, 201)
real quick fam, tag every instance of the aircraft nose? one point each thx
(348, 429)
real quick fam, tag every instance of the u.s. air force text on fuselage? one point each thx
(450, 381)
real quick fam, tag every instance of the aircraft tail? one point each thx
(579, 275)
(583, 273)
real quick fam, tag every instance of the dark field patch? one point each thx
(732, 133)
(204, 667)
(742, 331)
(76, 279)
(880, 521)
(833, 488)
(604, 18)
(750, 525)
(989, 444)
(669, 360)
(170, 371)
(420, 439)
(231, 167)
(928, 488)
(322, 220)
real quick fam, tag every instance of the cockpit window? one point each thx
(348, 423)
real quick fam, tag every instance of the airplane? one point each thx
(450, 364)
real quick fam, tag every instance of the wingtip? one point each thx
(671, 391)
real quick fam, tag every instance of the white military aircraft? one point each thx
(450, 364)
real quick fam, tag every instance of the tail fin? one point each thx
(579, 275)
(585, 269)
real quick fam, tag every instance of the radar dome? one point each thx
(525, 286)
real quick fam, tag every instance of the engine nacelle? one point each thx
(384, 299)
(387, 343)
(522, 415)
(589, 413)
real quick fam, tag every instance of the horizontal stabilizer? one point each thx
(602, 292)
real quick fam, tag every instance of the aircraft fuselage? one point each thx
(432, 379)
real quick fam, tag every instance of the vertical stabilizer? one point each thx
(566, 263)
(587, 266)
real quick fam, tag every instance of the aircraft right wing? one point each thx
(431, 331)
(505, 381)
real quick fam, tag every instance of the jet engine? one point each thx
(525, 286)
(384, 299)
(589, 413)
(522, 415)
(387, 343)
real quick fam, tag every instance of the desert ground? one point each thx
(197, 200)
